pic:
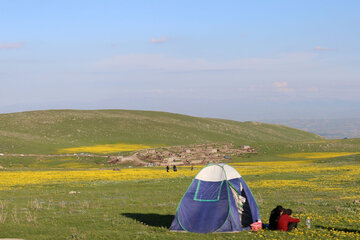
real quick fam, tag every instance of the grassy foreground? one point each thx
(109, 206)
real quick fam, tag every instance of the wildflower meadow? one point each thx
(139, 203)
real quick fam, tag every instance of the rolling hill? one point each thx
(48, 131)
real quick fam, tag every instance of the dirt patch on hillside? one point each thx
(183, 155)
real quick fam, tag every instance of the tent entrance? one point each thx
(239, 200)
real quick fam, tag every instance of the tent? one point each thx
(217, 200)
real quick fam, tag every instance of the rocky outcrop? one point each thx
(183, 155)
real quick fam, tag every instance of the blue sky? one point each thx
(242, 60)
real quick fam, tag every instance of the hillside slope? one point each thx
(48, 131)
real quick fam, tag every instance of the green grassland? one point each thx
(144, 209)
(47, 131)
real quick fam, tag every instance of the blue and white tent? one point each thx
(218, 200)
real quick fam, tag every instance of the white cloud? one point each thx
(285, 90)
(297, 75)
(313, 89)
(283, 63)
(11, 45)
(170, 91)
(323, 49)
(282, 87)
(280, 84)
(158, 40)
(154, 62)
(158, 91)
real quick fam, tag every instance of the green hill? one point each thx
(48, 131)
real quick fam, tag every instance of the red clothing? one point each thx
(284, 222)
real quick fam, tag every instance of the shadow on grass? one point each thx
(338, 229)
(151, 219)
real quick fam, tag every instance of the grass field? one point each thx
(48, 132)
(81, 197)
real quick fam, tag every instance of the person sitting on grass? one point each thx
(274, 217)
(287, 223)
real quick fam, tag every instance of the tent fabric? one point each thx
(217, 172)
(217, 200)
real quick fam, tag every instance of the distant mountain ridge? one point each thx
(329, 128)
(48, 131)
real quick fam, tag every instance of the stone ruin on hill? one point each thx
(183, 155)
